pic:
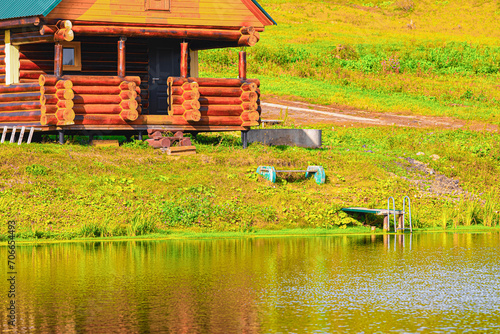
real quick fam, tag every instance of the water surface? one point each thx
(422, 283)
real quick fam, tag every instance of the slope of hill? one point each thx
(407, 57)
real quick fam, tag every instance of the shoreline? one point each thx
(306, 232)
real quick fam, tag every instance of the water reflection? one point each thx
(407, 283)
(399, 240)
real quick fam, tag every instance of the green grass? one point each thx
(75, 191)
(365, 55)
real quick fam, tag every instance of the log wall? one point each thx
(90, 100)
(96, 96)
(20, 104)
(211, 101)
(98, 58)
(56, 99)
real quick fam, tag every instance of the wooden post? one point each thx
(193, 64)
(242, 65)
(121, 56)
(4, 133)
(58, 60)
(61, 137)
(21, 135)
(13, 134)
(140, 135)
(400, 221)
(386, 223)
(30, 137)
(184, 59)
(244, 138)
(11, 61)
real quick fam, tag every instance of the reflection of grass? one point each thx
(126, 191)
(433, 59)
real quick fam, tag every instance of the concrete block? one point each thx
(290, 137)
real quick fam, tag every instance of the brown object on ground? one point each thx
(180, 150)
(157, 140)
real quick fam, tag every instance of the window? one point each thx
(72, 56)
(158, 5)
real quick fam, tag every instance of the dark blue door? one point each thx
(163, 63)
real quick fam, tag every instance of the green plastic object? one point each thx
(268, 172)
(317, 172)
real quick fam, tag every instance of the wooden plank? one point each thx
(12, 134)
(32, 130)
(373, 211)
(21, 135)
(180, 150)
(4, 133)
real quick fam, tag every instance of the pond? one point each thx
(429, 282)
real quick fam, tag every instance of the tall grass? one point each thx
(489, 210)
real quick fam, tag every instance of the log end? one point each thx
(68, 94)
(41, 80)
(192, 115)
(129, 115)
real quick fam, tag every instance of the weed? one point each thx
(141, 224)
(490, 215)
(137, 144)
(36, 170)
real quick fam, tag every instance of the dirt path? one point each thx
(305, 113)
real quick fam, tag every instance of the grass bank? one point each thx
(77, 191)
(403, 56)
(302, 232)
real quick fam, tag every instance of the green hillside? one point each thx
(407, 57)
(74, 190)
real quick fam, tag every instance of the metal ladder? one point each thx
(396, 228)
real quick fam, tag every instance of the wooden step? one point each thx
(179, 150)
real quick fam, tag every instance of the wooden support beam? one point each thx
(11, 60)
(193, 64)
(21, 135)
(64, 32)
(121, 56)
(243, 37)
(13, 134)
(58, 60)
(184, 60)
(18, 23)
(4, 133)
(242, 65)
(30, 137)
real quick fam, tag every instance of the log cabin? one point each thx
(110, 66)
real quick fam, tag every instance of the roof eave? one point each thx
(19, 22)
(264, 12)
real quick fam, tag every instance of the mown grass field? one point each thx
(73, 190)
(408, 57)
